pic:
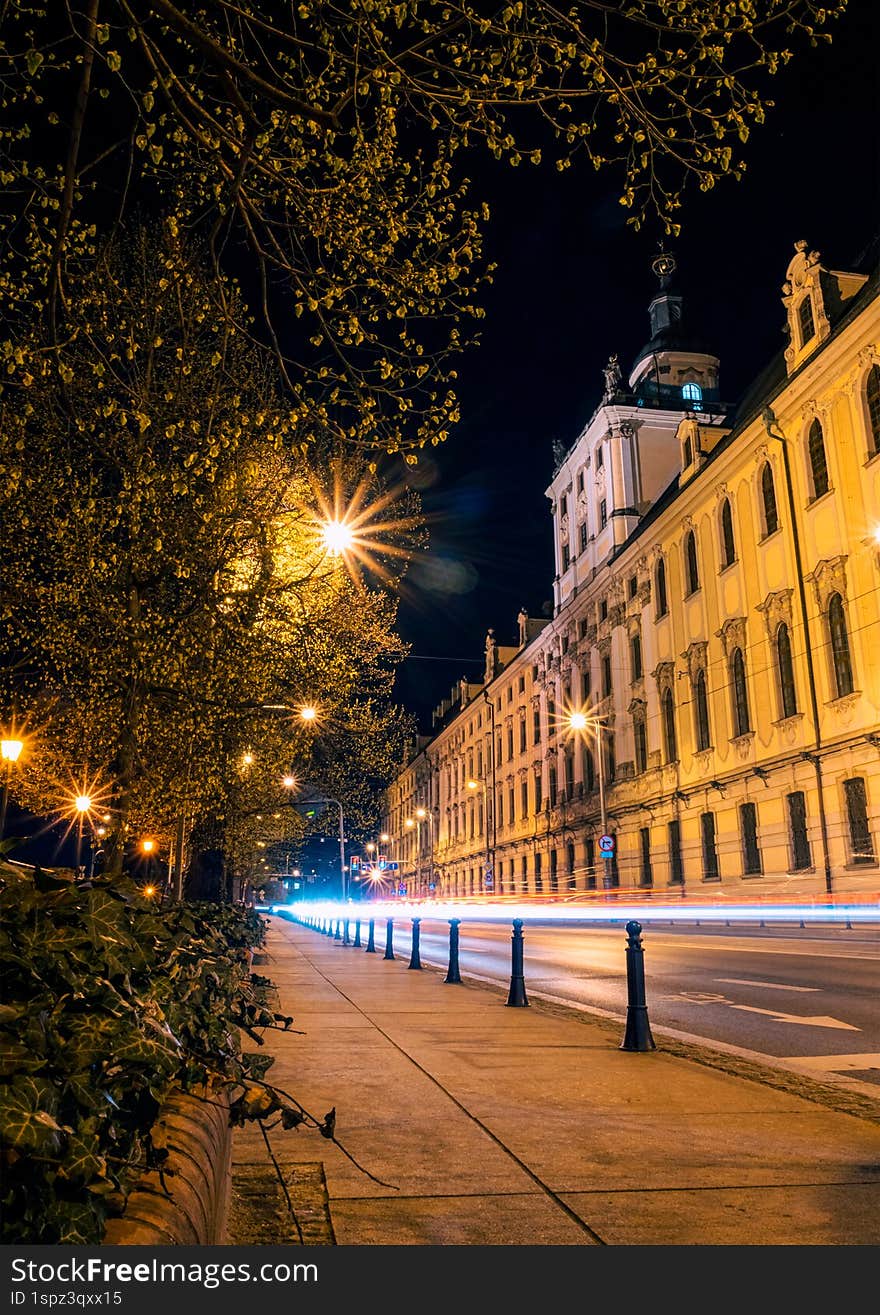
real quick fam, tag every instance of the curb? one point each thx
(198, 1177)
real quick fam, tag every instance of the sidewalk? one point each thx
(522, 1126)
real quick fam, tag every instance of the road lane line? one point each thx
(818, 1020)
(765, 986)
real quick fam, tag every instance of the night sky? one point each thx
(573, 285)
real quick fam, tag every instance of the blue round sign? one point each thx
(606, 844)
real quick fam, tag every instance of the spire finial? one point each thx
(663, 266)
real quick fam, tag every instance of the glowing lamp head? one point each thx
(148, 846)
(289, 782)
(473, 785)
(11, 749)
(876, 540)
(247, 759)
(149, 890)
(421, 814)
(82, 803)
(101, 831)
(409, 822)
(578, 721)
(384, 836)
(337, 537)
(370, 846)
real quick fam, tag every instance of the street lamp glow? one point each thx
(247, 759)
(82, 803)
(577, 721)
(149, 890)
(409, 822)
(289, 782)
(337, 536)
(11, 749)
(369, 846)
(308, 713)
(421, 814)
(148, 846)
(384, 836)
(473, 785)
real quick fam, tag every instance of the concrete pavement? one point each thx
(530, 1126)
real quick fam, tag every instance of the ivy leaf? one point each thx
(27, 1116)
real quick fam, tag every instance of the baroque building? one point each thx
(716, 620)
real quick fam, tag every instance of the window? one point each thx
(660, 583)
(509, 693)
(710, 853)
(590, 862)
(646, 875)
(500, 809)
(586, 684)
(525, 871)
(667, 707)
(551, 715)
(603, 610)
(536, 726)
(640, 736)
(606, 676)
(569, 774)
(524, 799)
(600, 457)
(693, 393)
(589, 771)
(552, 791)
(633, 586)
(801, 856)
(538, 799)
(840, 655)
(691, 569)
(741, 724)
(818, 460)
(511, 806)
(701, 711)
(748, 826)
(687, 452)
(635, 649)
(522, 733)
(805, 320)
(582, 627)
(498, 750)
(768, 500)
(580, 481)
(728, 546)
(521, 685)
(861, 845)
(569, 865)
(554, 876)
(676, 868)
(610, 761)
(539, 880)
(582, 536)
(603, 514)
(785, 667)
(872, 398)
(510, 742)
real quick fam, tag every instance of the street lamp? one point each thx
(579, 722)
(82, 803)
(308, 712)
(11, 752)
(489, 875)
(338, 537)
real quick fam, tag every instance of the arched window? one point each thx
(768, 498)
(728, 546)
(788, 696)
(660, 582)
(640, 735)
(690, 561)
(589, 771)
(805, 319)
(701, 710)
(741, 723)
(840, 655)
(872, 397)
(818, 462)
(693, 393)
(669, 741)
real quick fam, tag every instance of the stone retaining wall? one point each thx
(199, 1142)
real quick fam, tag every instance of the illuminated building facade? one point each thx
(716, 607)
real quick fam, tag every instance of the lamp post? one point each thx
(11, 751)
(421, 815)
(82, 803)
(489, 874)
(577, 722)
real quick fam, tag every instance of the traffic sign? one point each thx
(606, 845)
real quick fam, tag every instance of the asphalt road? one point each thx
(807, 999)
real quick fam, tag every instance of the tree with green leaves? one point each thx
(166, 585)
(323, 148)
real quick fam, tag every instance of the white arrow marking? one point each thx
(769, 986)
(817, 1021)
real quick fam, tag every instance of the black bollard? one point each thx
(371, 938)
(345, 937)
(337, 935)
(453, 976)
(389, 939)
(517, 997)
(415, 959)
(638, 1028)
(357, 933)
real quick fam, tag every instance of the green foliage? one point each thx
(109, 1005)
(329, 140)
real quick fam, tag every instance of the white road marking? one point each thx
(834, 1063)
(769, 986)
(817, 1021)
